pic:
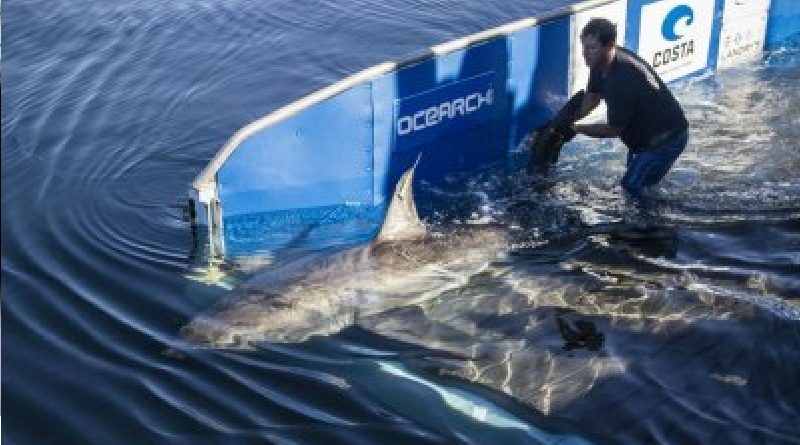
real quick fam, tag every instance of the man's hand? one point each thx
(545, 148)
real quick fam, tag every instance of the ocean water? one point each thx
(602, 323)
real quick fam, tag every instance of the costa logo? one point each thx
(675, 26)
(676, 22)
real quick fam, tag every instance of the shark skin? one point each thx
(405, 265)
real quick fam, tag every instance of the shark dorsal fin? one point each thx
(401, 222)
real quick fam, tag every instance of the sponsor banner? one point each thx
(578, 71)
(430, 115)
(675, 36)
(744, 27)
(744, 9)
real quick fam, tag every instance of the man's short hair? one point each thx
(603, 29)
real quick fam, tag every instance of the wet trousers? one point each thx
(648, 167)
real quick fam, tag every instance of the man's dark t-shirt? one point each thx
(638, 101)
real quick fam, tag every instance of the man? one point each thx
(641, 110)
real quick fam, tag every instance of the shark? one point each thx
(406, 264)
(542, 324)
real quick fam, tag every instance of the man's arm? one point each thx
(597, 130)
(590, 102)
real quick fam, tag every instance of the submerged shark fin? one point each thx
(401, 222)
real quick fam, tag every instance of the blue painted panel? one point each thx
(713, 49)
(384, 93)
(311, 228)
(538, 76)
(783, 27)
(632, 28)
(453, 107)
(446, 149)
(321, 156)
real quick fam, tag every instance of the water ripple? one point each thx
(110, 109)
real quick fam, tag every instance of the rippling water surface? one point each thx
(601, 323)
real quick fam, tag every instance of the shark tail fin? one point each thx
(401, 222)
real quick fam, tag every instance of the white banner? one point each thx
(744, 27)
(741, 9)
(675, 35)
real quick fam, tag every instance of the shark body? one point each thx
(405, 265)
